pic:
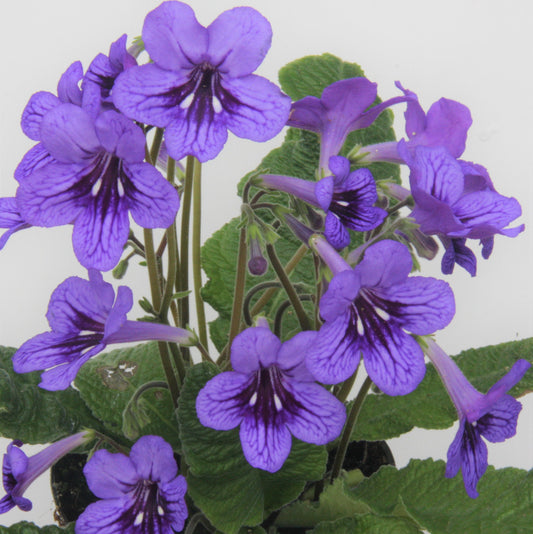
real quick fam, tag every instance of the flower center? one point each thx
(147, 512)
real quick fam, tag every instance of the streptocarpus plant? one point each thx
(255, 428)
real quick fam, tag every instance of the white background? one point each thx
(477, 52)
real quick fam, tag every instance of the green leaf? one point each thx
(221, 480)
(384, 417)
(440, 505)
(108, 381)
(311, 74)
(369, 524)
(333, 504)
(24, 527)
(34, 415)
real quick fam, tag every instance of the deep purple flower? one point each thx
(271, 395)
(141, 494)
(96, 177)
(200, 84)
(492, 416)
(348, 198)
(11, 219)
(367, 310)
(19, 471)
(446, 125)
(339, 111)
(456, 200)
(84, 317)
(104, 70)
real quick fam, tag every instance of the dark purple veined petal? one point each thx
(153, 459)
(335, 355)
(309, 113)
(78, 304)
(420, 304)
(254, 107)
(38, 105)
(108, 475)
(335, 231)
(152, 201)
(109, 516)
(36, 158)
(500, 422)
(265, 447)
(457, 252)
(101, 229)
(238, 41)
(321, 416)
(68, 134)
(292, 354)
(393, 359)
(68, 89)
(147, 94)
(173, 37)
(117, 315)
(254, 348)
(341, 292)
(219, 404)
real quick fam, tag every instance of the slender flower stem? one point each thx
(348, 427)
(240, 286)
(196, 251)
(151, 262)
(112, 442)
(346, 387)
(267, 295)
(247, 299)
(183, 280)
(178, 361)
(172, 381)
(156, 145)
(305, 324)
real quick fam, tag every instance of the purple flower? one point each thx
(348, 199)
(141, 494)
(446, 125)
(96, 177)
(456, 200)
(68, 92)
(84, 317)
(492, 416)
(200, 83)
(339, 111)
(10, 218)
(19, 471)
(271, 395)
(366, 310)
(103, 70)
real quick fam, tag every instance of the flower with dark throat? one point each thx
(492, 416)
(200, 84)
(19, 471)
(140, 494)
(271, 395)
(84, 318)
(456, 200)
(367, 311)
(346, 197)
(97, 176)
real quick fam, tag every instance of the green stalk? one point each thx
(348, 427)
(156, 145)
(183, 279)
(305, 324)
(196, 251)
(151, 263)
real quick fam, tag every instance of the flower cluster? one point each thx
(101, 143)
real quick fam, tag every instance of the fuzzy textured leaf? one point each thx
(24, 527)
(369, 524)
(441, 506)
(220, 479)
(34, 415)
(108, 381)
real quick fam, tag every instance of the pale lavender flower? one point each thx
(140, 494)
(272, 396)
(200, 84)
(367, 311)
(84, 318)
(492, 415)
(19, 471)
